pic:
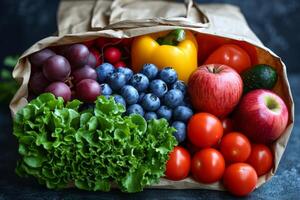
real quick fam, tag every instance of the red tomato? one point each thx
(120, 64)
(112, 54)
(178, 165)
(235, 147)
(250, 49)
(207, 44)
(227, 124)
(261, 158)
(231, 55)
(240, 179)
(204, 130)
(208, 165)
(97, 55)
(89, 43)
(101, 42)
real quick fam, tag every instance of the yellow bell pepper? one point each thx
(182, 56)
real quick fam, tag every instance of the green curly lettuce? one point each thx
(93, 149)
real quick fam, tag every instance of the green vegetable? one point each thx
(172, 38)
(259, 77)
(93, 149)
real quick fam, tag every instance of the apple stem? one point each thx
(213, 69)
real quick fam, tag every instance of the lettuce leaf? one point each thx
(93, 149)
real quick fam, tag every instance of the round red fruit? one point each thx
(240, 179)
(235, 147)
(112, 55)
(178, 165)
(261, 158)
(204, 130)
(88, 90)
(208, 165)
(120, 64)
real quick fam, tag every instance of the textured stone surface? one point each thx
(284, 185)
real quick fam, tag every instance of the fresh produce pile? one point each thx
(130, 111)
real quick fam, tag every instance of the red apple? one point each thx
(215, 89)
(261, 115)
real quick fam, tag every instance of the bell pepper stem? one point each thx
(172, 38)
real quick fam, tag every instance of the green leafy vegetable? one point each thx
(91, 149)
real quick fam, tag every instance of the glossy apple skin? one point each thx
(257, 121)
(215, 89)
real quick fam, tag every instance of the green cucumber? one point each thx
(260, 76)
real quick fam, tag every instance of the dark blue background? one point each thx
(276, 22)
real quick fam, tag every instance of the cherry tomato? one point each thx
(89, 43)
(101, 42)
(207, 44)
(120, 64)
(204, 130)
(227, 124)
(178, 165)
(235, 147)
(112, 54)
(231, 55)
(240, 179)
(208, 165)
(261, 158)
(250, 49)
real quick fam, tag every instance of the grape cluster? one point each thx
(152, 93)
(68, 73)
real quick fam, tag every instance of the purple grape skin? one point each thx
(60, 89)
(56, 68)
(86, 72)
(38, 83)
(78, 55)
(88, 90)
(37, 59)
(91, 61)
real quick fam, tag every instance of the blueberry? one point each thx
(150, 115)
(141, 96)
(158, 87)
(179, 85)
(180, 133)
(126, 71)
(173, 98)
(116, 80)
(119, 99)
(164, 112)
(135, 109)
(150, 70)
(107, 96)
(150, 102)
(103, 71)
(140, 82)
(187, 103)
(182, 113)
(130, 94)
(105, 89)
(168, 75)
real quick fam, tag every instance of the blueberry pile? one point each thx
(152, 93)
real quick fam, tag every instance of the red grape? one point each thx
(60, 89)
(97, 55)
(89, 43)
(88, 90)
(120, 64)
(85, 72)
(38, 83)
(112, 54)
(37, 59)
(91, 61)
(78, 55)
(56, 68)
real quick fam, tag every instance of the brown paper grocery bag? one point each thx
(82, 20)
